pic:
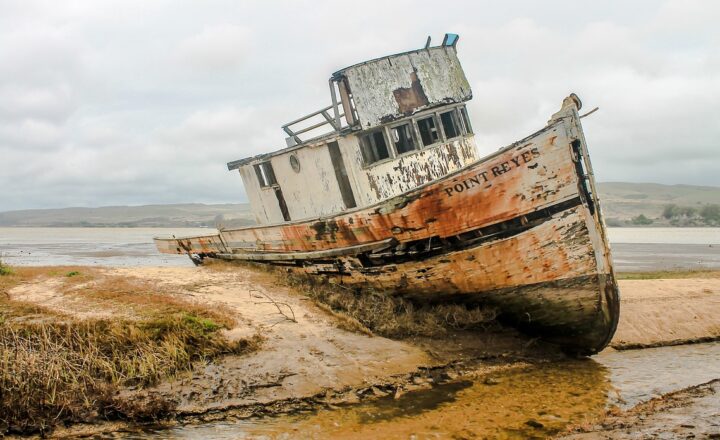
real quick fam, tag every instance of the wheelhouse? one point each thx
(395, 123)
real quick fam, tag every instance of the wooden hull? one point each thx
(520, 229)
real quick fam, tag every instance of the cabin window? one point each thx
(428, 130)
(265, 174)
(402, 137)
(450, 124)
(374, 148)
(465, 120)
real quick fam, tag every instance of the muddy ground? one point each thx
(691, 413)
(308, 359)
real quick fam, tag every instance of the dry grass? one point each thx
(669, 274)
(147, 299)
(398, 318)
(393, 316)
(55, 368)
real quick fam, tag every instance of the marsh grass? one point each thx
(55, 368)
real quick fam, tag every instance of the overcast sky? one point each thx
(143, 102)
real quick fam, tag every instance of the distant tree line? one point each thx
(676, 215)
(708, 214)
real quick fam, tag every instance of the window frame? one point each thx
(266, 176)
(465, 120)
(454, 116)
(434, 117)
(388, 147)
(413, 135)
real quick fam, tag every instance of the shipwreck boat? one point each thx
(395, 197)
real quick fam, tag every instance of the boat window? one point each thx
(374, 148)
(465, 120)
(265, 174)
(402, 137)
(428, 130)
(450, 124)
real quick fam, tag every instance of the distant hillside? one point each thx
(623, 201)
(185, 215)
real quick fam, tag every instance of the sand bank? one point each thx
(667, 312)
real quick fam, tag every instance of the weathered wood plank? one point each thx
(313, 255)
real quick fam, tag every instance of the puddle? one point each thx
(535, 402)
(640, 375)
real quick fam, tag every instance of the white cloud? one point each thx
(114, 102)
(216, 48)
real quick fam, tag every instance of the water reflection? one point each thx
(640, 375)
(530, 403)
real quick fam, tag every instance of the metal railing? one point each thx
(335, 123)
(333, 120)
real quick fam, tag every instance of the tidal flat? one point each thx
(161, 349)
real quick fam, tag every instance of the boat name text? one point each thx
(486, 176)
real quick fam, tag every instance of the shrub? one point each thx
(641, 220)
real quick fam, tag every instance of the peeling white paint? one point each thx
(375, 84)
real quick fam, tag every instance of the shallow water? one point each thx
(89, 246)
(533, 402)
(702, 236)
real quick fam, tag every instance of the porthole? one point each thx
(295, 163)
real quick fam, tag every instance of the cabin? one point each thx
(393, 123)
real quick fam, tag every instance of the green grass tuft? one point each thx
(5, 269)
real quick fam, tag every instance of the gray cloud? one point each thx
(130, 102)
